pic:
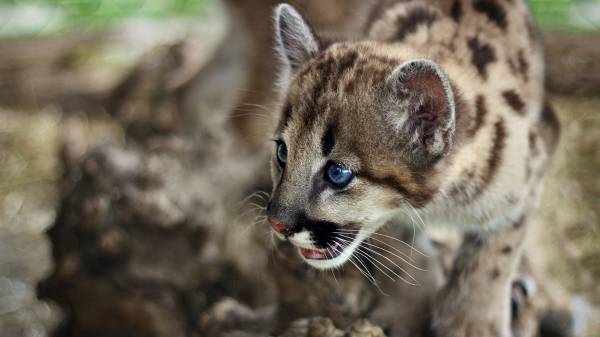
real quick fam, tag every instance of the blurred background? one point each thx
(83, 72)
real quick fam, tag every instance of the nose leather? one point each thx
(278, 226)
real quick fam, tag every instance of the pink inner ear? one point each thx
(427, 91)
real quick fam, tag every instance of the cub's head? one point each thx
(362, 128)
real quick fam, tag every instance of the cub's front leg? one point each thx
(476, 298)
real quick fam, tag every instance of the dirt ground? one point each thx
(29, 145)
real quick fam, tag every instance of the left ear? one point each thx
(295, 41)
(423, 110)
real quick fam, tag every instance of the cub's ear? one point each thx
(422, 110)
(294, 39)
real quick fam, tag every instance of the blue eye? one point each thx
(338, 175)
(281, 153)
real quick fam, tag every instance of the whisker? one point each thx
(414, 281)
(351, 231)
(328, 252)
(388, 251)
(258, 206)
(366, 273)
(420, 219)
(373, 259)
(260, 194)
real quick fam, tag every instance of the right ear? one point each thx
(294, 39)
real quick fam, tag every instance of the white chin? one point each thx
(337, 261)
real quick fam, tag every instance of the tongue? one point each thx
(312, 253)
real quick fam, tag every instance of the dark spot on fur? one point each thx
(474, 239)
(493, 11)
(533, 143)
(482, 54)
(456, 10)
(408, 24)
(523, 65)
(519, 223)
(495, 273)
(350, 88)
(480, 113)
(494, 159)
(328, 141)
(514, 101)
(346, 62)
(506, 250)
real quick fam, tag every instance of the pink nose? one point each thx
(277, 226)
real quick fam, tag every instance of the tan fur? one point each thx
(486, 179)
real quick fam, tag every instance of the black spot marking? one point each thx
(327, 142)
(493, 11)
(523, 65)
(494, 159)
(482, 54)
(506, 250)
(408, 24)
(480, 113)
(456, 10)
(514, 101)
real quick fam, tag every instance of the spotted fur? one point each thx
(437, 110)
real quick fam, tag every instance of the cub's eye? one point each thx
(338, 175)
(281, 153)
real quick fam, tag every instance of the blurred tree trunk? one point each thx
(572, 63)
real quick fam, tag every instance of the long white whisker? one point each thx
(386, 236)
(413, 282)
(259, 193)
(373, 259)
(420, 219)
(387, 251)
(367, 274)
(328, 252)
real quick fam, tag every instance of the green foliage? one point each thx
(550, 12)
(61, 15)
(99, 12)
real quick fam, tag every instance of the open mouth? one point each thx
(331, 252)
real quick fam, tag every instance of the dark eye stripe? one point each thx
(327, 142)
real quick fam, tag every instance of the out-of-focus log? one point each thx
(572, 63)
